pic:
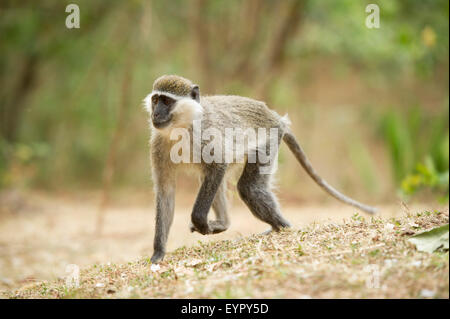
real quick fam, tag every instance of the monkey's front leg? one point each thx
(205, 197)
(165, 199)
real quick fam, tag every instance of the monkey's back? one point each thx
(237, 111)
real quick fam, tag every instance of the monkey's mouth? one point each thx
(162, 124)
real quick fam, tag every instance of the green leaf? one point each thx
(431, 240)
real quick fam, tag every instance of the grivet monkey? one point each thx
(175, 102)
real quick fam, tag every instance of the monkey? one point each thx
(175, 103)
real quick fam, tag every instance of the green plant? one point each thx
(426, 176)
(418, 144)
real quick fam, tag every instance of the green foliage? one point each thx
(300, 251)
(399, 139)
(412, 34)
(70, 104)
(426, 176)
(374, 253)
(19, 162)
(358, 217)
(419, 137)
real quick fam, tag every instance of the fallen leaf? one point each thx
(431, 240)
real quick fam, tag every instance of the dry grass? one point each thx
(356, 258)
(40, 234)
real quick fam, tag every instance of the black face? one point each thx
(162, 107)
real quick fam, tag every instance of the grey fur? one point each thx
(213, 177)
(220, 112)
(220, 207)
(163, 174)
(255, 190)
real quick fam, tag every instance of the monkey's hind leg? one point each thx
(254, 189)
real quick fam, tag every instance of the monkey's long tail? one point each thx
(291, 141)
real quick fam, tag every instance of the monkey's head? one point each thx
(174, 101)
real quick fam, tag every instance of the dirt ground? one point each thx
(49, 233)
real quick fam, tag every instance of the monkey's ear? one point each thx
(195, 93)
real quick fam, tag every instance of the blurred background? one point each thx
(369, 106)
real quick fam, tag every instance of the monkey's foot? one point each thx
(271, 230)
(157, 257)
(214, 227)
(192, 228)
(267, 232)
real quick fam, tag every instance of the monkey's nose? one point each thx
(157, 116)
(160, 121)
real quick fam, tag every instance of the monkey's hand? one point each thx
(214, 227)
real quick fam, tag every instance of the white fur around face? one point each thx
(184, 112)
(148, 103)
(148, 99)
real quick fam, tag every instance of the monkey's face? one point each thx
(168, 110)
(162, 107)
(174, 102)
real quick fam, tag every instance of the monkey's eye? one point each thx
(167, 100)
(155, 99)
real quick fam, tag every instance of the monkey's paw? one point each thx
(204, 231)
(192, 227)
(214, 227)
(157, 257)
(217, 226)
